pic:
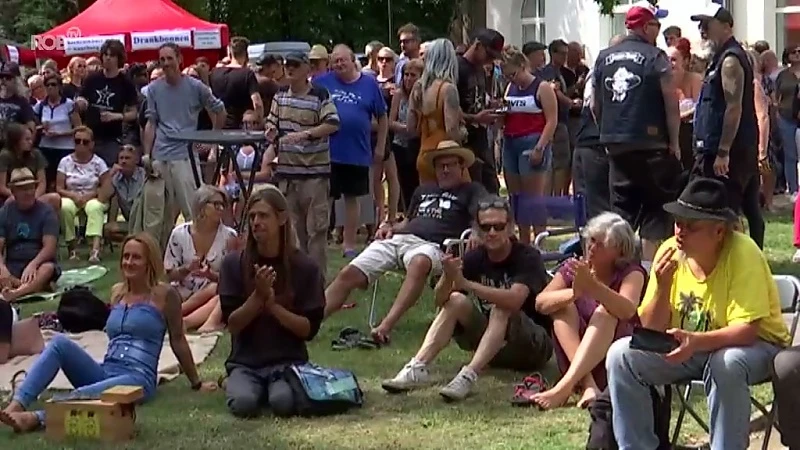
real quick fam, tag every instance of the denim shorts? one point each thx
(516, 159)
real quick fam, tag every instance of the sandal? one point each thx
(532, 384)
(94, 257)
(350, 338)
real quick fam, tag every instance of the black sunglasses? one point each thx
(487, 227)
(79, 141)
(492, 204)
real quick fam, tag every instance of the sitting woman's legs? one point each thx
(198, 299)
(204, 318)
(584, 357)
(95, 214)
(68, 212)
(214, 320)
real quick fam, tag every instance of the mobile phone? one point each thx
(501, 110)
(650, 340)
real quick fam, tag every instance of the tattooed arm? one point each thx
(733, 89)
(452, 113)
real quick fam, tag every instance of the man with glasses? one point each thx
(301, 119)
(487, 302)
(636, 106)
(108, 98)
(408, 35)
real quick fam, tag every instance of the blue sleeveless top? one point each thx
(136, 336)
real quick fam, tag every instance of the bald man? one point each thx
(362, 114)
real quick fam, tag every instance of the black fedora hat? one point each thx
(703, 199)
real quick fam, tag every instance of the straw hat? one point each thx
(21, 177)
(449, 148)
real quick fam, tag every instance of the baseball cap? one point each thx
(9, 69)
(642, 12)
(268, 59)
(714, 11)
(318, 52)
(297, 57)
(492, 40)
(21, 177)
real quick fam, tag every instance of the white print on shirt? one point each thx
(432, 205)
(523, 104)
(636, 57)
(620, 83)
(104, 97)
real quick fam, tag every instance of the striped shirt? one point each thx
(291, 113)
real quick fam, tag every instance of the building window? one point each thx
(788, 24)
(618, 17)
(533, 21)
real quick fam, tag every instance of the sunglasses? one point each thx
(79, 141)
(487, 227)
(385, 58)
(498, 204)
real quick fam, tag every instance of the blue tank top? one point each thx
(136, 336)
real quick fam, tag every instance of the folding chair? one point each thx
(449, 245)
(572, 247)
(789, 293)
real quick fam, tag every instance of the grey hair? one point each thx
(613, 231)
(203, 196)
(441, 63)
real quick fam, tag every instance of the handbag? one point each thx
(322, 391)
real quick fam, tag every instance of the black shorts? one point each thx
(348, 180)
(6, 321)
(641, 183)
(735, 182)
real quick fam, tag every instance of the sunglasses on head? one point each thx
(487, 227)
(491, 204)
(79, 141)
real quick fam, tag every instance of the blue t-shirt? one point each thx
(357, 103)
(23, 230)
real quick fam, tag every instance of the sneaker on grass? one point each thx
(411, 376)
(461, 386)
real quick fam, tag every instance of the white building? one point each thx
(520, 21)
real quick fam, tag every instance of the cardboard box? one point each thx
(110, 419)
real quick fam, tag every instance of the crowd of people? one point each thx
(666, 148)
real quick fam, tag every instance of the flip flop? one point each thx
(348, 339)
(532, 384)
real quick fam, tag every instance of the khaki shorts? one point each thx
(395, 253)
(528, 344)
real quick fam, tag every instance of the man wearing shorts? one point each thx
(487, 305)
(360, 106)
(638, 117)
(438, 212)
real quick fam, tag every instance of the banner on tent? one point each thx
(88, 44)
(13, 54)
(207, 39)
(152, 40)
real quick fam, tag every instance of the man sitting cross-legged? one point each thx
(710, 288)
(502, 327)
(28, 240)
(437, 212)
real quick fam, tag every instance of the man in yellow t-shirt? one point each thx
(712, 290)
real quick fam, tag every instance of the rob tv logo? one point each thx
(49, 42)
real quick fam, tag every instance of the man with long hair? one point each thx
(14, 107)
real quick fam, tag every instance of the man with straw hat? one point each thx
(438, 211)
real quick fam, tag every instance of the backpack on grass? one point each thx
(80, 310)
(322, 391)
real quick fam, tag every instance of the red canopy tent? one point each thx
(143, 25)
(10, 51)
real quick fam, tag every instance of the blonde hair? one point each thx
(154, 262)
(513, 56)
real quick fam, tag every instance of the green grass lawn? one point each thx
(180, 418)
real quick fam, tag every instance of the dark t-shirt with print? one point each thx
(23, 232)
(472, 97)
(34, 160)
(106, 94)
(14, 109)
(265, 342)
(436, 214)
(524, 265)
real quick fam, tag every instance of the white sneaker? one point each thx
(411, 376)
(460, 387)
(796, 256)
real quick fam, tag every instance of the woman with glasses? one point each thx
(20, 153)
(405, 146)
(58, 117)
(386, 63)
(530, 123)
(593, 303)
(193, 256)
(80, 177)
(76, 73)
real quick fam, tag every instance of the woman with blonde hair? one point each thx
(434, 110)
(76, 73)
(530, 123)
(143, 310)
(387, 59)
(405, 145)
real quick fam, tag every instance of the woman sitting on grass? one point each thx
(19, 153)
(193, 258)
(143, 309)
(273, 299)
(592, 302)
(18, 337)
(79, 179)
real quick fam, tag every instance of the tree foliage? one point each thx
(21, 19)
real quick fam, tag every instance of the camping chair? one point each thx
(789, 293)
(574, 207)
(448, 245)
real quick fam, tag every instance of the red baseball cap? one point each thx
(641, 13)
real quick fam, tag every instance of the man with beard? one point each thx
(485, 48)
(108, 99)
(637, 111)
(236, 85)
(725, 125)
(408, 35)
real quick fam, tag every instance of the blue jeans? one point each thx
(727, 374)
(788, 129)
(516, 155)
(87, 376)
